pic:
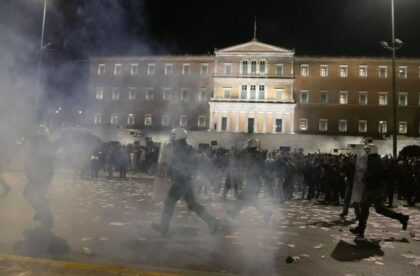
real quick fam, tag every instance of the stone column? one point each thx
(238, 121)
(283, 122)
(292, 122)
(211, 120)
(265, 122)
(274, 122)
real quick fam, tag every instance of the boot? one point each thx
(404, 222)
(213, 227)
(159, 228)
(358, 231)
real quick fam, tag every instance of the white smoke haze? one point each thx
(26, 99)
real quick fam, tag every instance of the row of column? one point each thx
(217, 117)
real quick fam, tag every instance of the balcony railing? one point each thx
(257, 76)
(252, 100)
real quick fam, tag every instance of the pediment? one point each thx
(254, 46)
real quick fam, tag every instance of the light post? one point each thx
(395, 44)
(41, 48)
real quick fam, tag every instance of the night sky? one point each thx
(322, 27)
(78, 29)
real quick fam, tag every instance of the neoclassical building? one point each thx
(255, 87)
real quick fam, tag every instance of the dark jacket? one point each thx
(374, 176)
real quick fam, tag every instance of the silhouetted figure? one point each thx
(181, 169)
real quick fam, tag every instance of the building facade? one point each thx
(256, 88)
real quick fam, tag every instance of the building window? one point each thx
(226, 93)
(149, 94)
(343, 97)
(202, 96)
(224, 123)
(98, 118)
(382, 127)
(147, 119)
(304, 97)
(279, 94)
(117, 69)
(101, 69)
(252, 93)
(279, 69)
(183, 120)
(363, 126)
(304, 70)
(324, 71)
(403, 72)
(261, 92)
(363, 98)
(342, 125)
(201, 121)
(303, 124)
(383, 98)
(402, 99)
(166, 94)
(151, 69)
(228, 69)
(244, 67)
(168, 69)
(99, 93)
(323, 99)
(262, 67)
(114, 119)
(184, 94)
(186, 69)
(363, 71)
(253, 67)
(132, 93)
(165, 120)
(204, 69)
(402, 127)
(244, 92)
(383, 72)
(116, 94)
(134, 69)
(323, 125)
(130, 119)
(344, 71)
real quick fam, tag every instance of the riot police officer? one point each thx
(181, 170)
(39, 170)
(374, 193)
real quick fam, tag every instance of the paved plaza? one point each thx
(107, 222)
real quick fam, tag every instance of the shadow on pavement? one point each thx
(347, 252)
(338, 222)
(39, 242)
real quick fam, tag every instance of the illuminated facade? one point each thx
(256, 88)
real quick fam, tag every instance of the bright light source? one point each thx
(384, 44)
(56, 112)
(80, 112)
(59, 108)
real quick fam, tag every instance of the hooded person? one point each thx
(374, 182)
(181, 170)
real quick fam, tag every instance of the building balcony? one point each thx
(255, 76)
(253, 100)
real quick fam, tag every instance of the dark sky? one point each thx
(78, 29)
(312, 27)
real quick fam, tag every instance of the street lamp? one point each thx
(395, 45)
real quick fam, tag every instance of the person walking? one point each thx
(374, 193)
(181, 170)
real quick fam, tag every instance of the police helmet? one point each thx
(252, 143)
(178, 133)
(371, 149)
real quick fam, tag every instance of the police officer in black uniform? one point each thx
(181, 170)
(374, 193)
